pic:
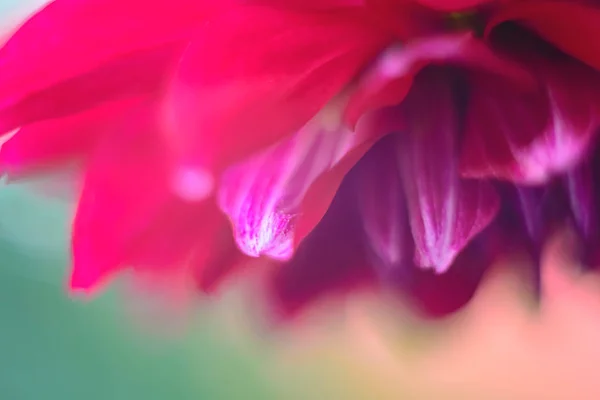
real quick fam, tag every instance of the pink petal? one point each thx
(445, 212)
(391, 77)
(530, 138)
(223, 261)
(55, 142)
(262, 196)
(139, 73)
(68, 38)
(310, 5)
(254, 75)
(126, 214)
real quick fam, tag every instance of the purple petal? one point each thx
(330, 260)
(529, 138)
(382, 206)
(445, 212)
(262, 195)
(542, 208)
(501, 121)
(583, 200)
(581, 184)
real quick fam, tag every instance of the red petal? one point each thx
(528, 138)
(141, 72)
(126, 213)
(445, 213)
(254, 75)
(49, 144)
(68, 38)
(437, 296)
(212, 268)
(569, 25)
(390, 79)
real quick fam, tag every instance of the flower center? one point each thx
(465, 21)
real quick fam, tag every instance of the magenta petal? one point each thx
(68, 38)
(382, 206)
(445, 212)
(331, 260)
(124, 190)
(530, 138)
(501, 121)
(583, 200)
(390, 78)
(142, 72)
(53, 143)
(262, 195)
(581, 184)
(437, 296)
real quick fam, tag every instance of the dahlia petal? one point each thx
(140, 73)
(554, 21)
(382, 207)
(445, 212)
(542, 208)
(331, 260)
(52, 143)
(435, 295)
(181, 236)
(126, 213)
(254, 75)
(580, 186)
(68, 38)
(310, 4)
(389, 80)
(262, 196)
(532, 140)
(501, 121)
(166, 258)
(370, 128)
(534, 210)
(210, 269)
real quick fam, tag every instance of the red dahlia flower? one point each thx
(349, 141)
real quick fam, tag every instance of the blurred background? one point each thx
(53, 346)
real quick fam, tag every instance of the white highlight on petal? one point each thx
(559, 148)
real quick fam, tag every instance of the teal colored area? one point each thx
(56, 347)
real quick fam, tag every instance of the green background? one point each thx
(56, 347)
